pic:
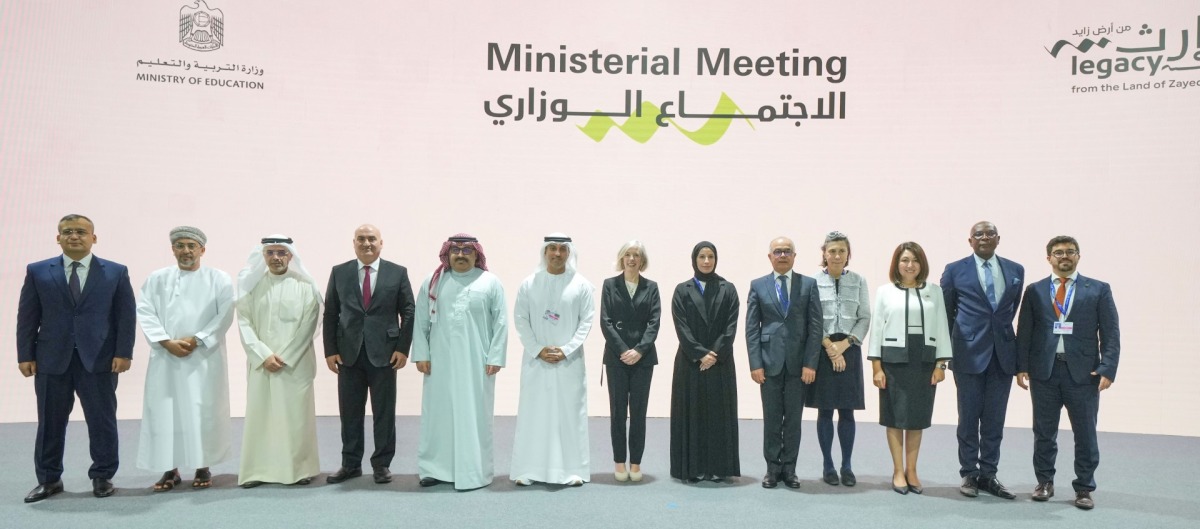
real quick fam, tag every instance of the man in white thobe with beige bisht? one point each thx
(278, 306)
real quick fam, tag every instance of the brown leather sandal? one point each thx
(203, 479)
(169, 479)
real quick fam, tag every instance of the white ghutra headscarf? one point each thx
(256, 267)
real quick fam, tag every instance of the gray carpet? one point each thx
(1144, 481)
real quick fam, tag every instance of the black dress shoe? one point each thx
(831, 478)
(343, 474)
(900, 490)
(382, 475)
(995, 488)
(848, 478)
(916, 489)
(769, 481)
(791, 481)
(251, 484)
(429, 482)
(1083, 500)
(969, 487)
(102, 488)
(43, 491)
(1043, 491)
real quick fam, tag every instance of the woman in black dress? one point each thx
(704, 430)
(629, 315)
(909, 347)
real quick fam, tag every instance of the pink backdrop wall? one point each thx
(374, 112)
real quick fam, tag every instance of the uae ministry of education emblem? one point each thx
(201, 28)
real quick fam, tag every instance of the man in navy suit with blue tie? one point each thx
(783, 338)
(1068, 346)
(982, 293)
(75, 333)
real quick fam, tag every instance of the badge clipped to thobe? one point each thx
(551, 317)
(1063, 327)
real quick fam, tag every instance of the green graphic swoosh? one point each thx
(1083, 47)
(641, 129)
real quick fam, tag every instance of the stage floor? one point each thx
(1144, 481)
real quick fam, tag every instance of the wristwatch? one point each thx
(943, 365)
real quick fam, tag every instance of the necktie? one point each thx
(76, 292)
(783, 292)
(366, 287)
(1060, 297)
(989, 284)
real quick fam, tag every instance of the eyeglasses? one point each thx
(981, 235)
(782, 252)
(465, 250)
(276, 253)
(69, 232)
(185, 246)
(1065, 253)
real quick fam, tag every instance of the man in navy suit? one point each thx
(982, 294)
(75, 333)
(1068, 347)
(368, 328)
(783, 336)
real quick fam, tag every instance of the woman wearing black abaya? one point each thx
(704, 430)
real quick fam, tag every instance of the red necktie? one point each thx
(366, 287)
(1060, 297)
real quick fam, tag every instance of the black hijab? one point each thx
(711, 276)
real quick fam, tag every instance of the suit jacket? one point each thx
(50, 326)
(1094, 343)
(385, 327)
(779, 342)
(629, 322)
(976, 330)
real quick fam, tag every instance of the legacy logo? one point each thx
(1146, 53)
(201, 28)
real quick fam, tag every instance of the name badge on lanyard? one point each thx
(1063, 327)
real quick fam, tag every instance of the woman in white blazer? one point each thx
(909, 348)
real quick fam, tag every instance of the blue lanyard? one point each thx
(699, 285)
(1062, 309)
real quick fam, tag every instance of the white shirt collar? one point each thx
(979, 260)
(86, 262)
(1054, 279)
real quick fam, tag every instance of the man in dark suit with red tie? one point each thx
(982, 292)
(1069, 343)
(368, 329)
(75, 332)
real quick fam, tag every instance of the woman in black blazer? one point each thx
(629, 313)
